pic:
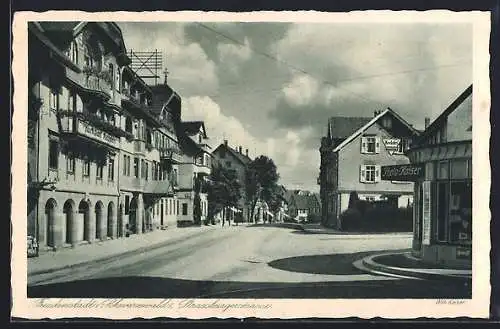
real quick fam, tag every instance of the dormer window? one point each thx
(387, 122)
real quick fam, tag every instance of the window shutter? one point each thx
(377, 174)
(363, 145)
(377, 145)
(362, 174)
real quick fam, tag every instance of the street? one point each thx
(253, 261)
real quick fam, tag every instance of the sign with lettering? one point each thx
(92, 132)
(426, 212)
(392, 144)
(403, 173)
(463, 253)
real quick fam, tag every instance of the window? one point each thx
(402, 146)
(178, 207)
(53, 99)
(71, 101)
(442, 210)
(53, 153)
(70, 164)
(170, 207)
(370, 144)
(460, 216)
(184, 209)
(228, 164)
(86, 167)
(143, 174)
(136, 167)
(111, 169)
(111, 73)
(387, 122)
(74, 52)
(100, 169)
(369, 174)
(146, 170)
(127, 204)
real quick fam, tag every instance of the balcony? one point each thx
(93, 80)
(171, 154)
(139, 146)
(162, 187)
(90, 127)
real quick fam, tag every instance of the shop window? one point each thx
(442, 210)
(53, 153)
(458, 169)
(443, 169)
(460, 215)
(184, 209)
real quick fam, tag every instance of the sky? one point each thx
(270, 87)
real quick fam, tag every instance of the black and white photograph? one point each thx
(207, 161)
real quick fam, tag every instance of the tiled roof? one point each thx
(305, 201)
(192, 127)
(343, 127)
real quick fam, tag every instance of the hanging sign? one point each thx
(426, 213)
(403, 173)
(392, 144)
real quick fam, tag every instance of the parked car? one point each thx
(33, 247)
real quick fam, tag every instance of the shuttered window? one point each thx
(370, 145)
(369, 174)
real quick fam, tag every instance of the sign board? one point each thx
(92, 132)
(426, 212)
(392, 144)
(463, 253)
(403, 173)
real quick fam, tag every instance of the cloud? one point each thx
(232, 55)
(292, 161)
(191, 72)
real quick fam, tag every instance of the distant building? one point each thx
(443, 194)
(225, 156)
(302, 204)
(352, 154)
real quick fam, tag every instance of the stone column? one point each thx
(121, 216)
(74, 227)
(57, 229)
(91, 227)
(113, 224)
(139, 213)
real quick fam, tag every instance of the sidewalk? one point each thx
(97, 251)
(319, 229)
(402, 264)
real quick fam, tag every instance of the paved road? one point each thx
(244, 262)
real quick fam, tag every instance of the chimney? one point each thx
(427, 122)
(239, 150)
(225, 142)
(246, 152)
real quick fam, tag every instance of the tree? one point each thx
(224, 190)
(261, 181)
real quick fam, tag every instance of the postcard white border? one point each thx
(478, 307)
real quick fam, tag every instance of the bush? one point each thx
(313, 218)
(350, 219)
(353, 199)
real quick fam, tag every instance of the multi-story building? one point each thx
(303, 204)
(352, 154)
(103, 146)
(238, 161)
(194, 169)
(443, 189)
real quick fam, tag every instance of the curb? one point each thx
(109, 257)
(426, 274)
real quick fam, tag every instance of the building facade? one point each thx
(238, 161)
(352, 154)
(303, 204)
(103, 146)
(443, 194)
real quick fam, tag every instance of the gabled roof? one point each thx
(343, 127)
(193, 127)
(305, 201)
(370, 123)
(443, 116)
(240, 157)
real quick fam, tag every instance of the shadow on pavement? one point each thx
(335, 264)
(154, 287)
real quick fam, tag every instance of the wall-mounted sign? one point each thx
(463, 253)
(90, 131)
(392, 144)
(426, 213)
(403, 173)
